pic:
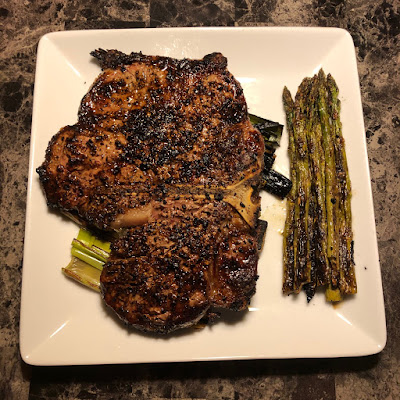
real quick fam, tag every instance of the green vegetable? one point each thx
(272, 181)
(86, 254)
(83, 273)
(289, 233)
(270, 130)
(318, 238)
(92, 241)
(317, 214)
(331, 192)
(300, 127)
(347, 282)
(275, 183)
(88, 257)
(90, 249)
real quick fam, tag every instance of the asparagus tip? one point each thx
(321, 74)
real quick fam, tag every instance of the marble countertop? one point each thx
(375, 28)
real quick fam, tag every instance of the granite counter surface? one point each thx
(375, 28)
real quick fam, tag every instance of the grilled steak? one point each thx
(166, 274)
(164, 153)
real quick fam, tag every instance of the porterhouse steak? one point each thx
(164, 155)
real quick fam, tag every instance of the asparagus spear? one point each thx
(289, 236)
(303, 270)
(347, 281)
(313, 204)
(318, 250)
(318, 235)
(311, 286)
(332, 292)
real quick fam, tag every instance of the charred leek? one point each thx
(273, 182)
(270, 130)
(88, 257)
(83, 273)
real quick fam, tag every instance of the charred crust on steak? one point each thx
(163, 274)
(164, 154)
(114, 59)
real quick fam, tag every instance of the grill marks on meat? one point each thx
(179, 126)
(164, 148)
(167, 274)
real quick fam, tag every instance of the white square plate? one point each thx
(63, 323)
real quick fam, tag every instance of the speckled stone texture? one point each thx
(374, 26)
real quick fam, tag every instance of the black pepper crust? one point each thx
(154, 133)
(184, 263)
(113, 59)
(147, 125)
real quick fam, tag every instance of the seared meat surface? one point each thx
(151, 126)
(166, 274)
(161, 144)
